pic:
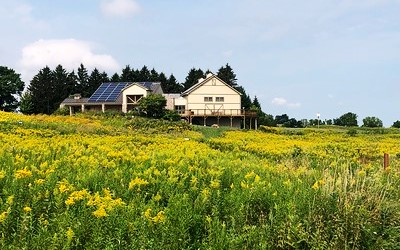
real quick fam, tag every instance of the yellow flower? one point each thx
(137, 182)
(100, 212)
(3, 216)
(39, 181)
(157, 197)
(27, 209)
(215, 184)
(232, 186)
(2, 174)
(10, 200)
(23, 173)
(147, 213)
(159, 218)
(70, 234)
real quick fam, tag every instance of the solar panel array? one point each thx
(108, 92)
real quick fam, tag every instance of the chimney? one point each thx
(77, 96)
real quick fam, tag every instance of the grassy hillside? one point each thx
(131, 183)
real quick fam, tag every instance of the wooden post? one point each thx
(385, 161)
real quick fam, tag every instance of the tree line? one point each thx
(49, 87)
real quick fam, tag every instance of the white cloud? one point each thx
(119, 8)
(70, 53)
(279, 101)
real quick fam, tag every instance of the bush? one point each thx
(61, 111)
(171, 115)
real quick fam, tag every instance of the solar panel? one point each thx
(108, 92)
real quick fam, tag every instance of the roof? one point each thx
(199, 84)
(111, 91)
(71, 100)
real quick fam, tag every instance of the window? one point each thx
(208, 99)
(180, 109)
(219, 99)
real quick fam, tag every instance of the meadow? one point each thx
(94, 182)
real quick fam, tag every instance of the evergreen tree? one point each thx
(163, 81)
(41, 91)
(154, 76)
(10, 85)
(227, 75)
(26, 105)
(174, 86)
(82, 80)
(193, 77)
(256, 103)
(144, 75)
(61, 86)
(127, 75)
(115, 78)
(245, 98)
(95, 80)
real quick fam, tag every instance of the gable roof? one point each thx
(201, 83)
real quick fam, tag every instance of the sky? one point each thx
(298, 57)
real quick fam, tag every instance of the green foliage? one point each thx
(396, 124)
(348, 120)
(171, 115)
(61, 111)
(11, 86)
(372, 122)
(227, 75)
(352, 132)
(26, 105)
(192, 78)
(245, 98)
(153, 105)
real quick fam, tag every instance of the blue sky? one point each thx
(297, 57)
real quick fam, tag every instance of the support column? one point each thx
(83, 108)
(103, 107)
(205, 118)
(256, 124)
(70, 110)
(231, 121)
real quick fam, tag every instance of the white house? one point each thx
(210, 101)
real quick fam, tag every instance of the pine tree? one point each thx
(82, 80)
(144, 75)
(115, 78)
(127, 75)
(154, 76)
(193, 77)
(245, 98)
(41, 91)
(256, 103)
(94, 81)
(173, 86)
(227, 75)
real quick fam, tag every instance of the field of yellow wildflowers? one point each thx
(119, 183)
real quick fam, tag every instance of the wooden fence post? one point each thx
(385, 161)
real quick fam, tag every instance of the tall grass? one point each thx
(83, 183)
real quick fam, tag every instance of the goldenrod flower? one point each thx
(27, 209)
(137, 182)
(70, 234)
(100, 212)
(215, 184)
(23, 173)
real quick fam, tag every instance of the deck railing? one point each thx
(221, 112)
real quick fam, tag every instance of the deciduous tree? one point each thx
(11, 86)
(372, 122)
